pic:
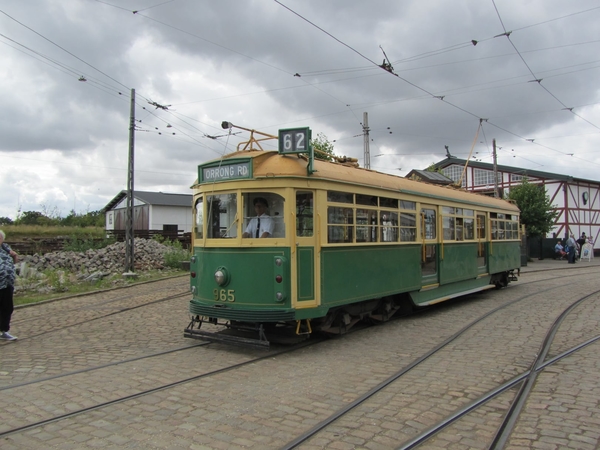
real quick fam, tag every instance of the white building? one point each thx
(153, 211)
(577, 200)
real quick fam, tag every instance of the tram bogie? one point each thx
(283, 243)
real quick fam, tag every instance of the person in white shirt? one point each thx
(262, 225)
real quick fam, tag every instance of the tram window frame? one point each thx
(504, 227)
(340, 224)
(458, 224)
(340, 197)
(199, 218)
(389, 225)
(366, 224)
(305, 214)
(429, 225)
(408, 226)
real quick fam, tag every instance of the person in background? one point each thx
(581, 243)
(572, 245)
(8, 258)
(560, 250)
(262, 225)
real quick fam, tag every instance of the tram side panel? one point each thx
(504, 256)
(351, 274)
(458, 262)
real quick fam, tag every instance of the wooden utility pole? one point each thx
(367, 159)
(129, 236)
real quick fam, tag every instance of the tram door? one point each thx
(305, 291)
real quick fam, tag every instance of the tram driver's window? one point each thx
(304, 214)
(199, 218)
(263, 210)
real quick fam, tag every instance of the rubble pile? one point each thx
(148, 255)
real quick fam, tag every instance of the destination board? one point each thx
(225, 172)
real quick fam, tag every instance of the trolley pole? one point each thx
(129, 237)
(367, 158)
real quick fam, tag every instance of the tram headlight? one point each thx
(222, 276)
(279, 296)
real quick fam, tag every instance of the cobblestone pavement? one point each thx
(267, 403)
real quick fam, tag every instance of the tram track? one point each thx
(152, 390)
(215, 353)
(526, 378)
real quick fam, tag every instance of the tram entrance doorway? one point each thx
(305, 260)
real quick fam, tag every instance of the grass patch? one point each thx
(63, 285)
(23, 232)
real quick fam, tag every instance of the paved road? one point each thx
(69, 351)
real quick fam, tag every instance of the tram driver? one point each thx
(262, 225)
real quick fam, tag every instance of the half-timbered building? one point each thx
(577, 200)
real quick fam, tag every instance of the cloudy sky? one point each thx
(461, 73)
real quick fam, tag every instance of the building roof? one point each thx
(429, 176)
(152, 198)
(516, 170)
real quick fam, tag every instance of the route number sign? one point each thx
(294, 140)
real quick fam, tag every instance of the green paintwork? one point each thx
(350, 274)
(450, 290)
(306, 273)
(504, 256)
(459, 262)
(252, 275)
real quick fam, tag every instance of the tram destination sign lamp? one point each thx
(297, 141)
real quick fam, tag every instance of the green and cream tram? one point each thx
(341, 244)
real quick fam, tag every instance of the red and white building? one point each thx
(577, 200)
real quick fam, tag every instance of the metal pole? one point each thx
(495, 170)
(129, 236)
(367, 161)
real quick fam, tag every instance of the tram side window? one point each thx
(366, 225)
(222, 215)
(340, 224)
(408, 227)
(198, 218)
(304, 214)
(449, 224)
(389, 226)
(270, 223)
(504, 226)
(429, 223)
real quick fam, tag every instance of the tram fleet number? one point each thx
(224, 295)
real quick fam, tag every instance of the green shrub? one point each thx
(82, 244)
(175, 254)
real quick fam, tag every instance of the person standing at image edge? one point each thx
(7, 282)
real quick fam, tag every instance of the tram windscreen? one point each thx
(222, 215)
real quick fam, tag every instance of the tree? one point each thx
(323, 148)
(5, 221)
(31, 218)
(537, 213)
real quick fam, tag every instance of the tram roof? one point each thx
(272, 164)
